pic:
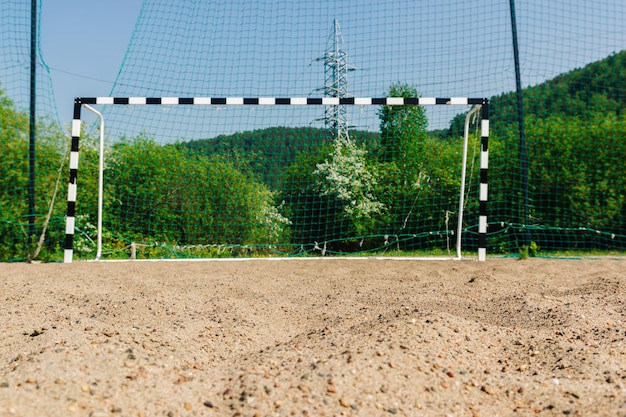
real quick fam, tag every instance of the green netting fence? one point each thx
(189, 181)
(32, 178)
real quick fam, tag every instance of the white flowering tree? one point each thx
(347, 177)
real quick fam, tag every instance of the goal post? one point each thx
(481, 106)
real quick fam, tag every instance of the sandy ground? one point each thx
(314, 338)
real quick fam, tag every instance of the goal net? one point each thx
(554, 81)
(178, 177)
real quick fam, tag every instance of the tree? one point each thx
(347, 177)
(14, 183)
(403, 128)
(168, 194)
(404, 162)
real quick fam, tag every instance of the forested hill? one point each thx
(597, 88)
(265, 152)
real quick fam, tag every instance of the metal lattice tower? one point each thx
(336, 70)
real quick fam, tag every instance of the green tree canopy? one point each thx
(402, 128)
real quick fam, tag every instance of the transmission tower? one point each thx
(336, 70)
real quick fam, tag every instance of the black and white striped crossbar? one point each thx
(278, 101)
(284, 101)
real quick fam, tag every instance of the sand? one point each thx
(323, 337)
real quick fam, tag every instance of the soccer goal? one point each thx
(388, 183)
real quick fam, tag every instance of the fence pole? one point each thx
(520, 119)
(32, 122)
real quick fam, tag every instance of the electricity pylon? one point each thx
(336, 70)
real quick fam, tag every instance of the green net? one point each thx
(295, 180)
(32, 178)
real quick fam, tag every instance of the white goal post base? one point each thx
(278, 101)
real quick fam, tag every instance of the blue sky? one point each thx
(84, 43)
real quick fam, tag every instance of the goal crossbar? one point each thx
(277, 101)
(285, 101)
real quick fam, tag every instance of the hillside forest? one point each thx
(299, 190)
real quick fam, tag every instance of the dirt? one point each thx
(321, 337)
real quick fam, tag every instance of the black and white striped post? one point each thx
(484, 187)
(277, 101)
(70, 219)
